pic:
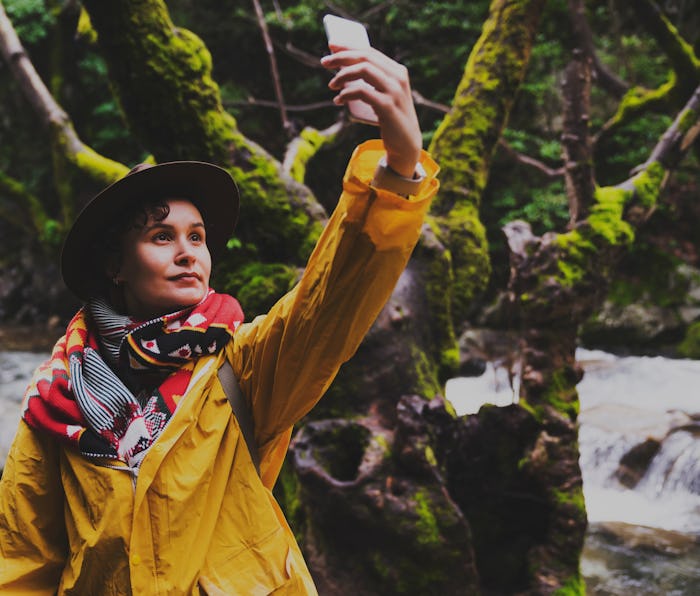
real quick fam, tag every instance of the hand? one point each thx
(389, 96)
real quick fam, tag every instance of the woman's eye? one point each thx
(196, 237)
(161, 237)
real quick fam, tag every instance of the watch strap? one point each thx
(387, 179)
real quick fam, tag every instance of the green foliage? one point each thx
(257, 286)
(649, 275)
(30, 18)
(544, 209)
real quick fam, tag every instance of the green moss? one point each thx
(426, 383)
(99, 168)
(430, 456)
(574, 498)
(439, 284)
(84, 30)
(383, 443)
(647, 184)
(574, 586)
(309, 142)
(562, 395)
(638, 99)
(426, 525)
(559, 394)
(606, 217)
(571, 273)
(465, 141)
(690, 346)
(470, 258)
(257, 286)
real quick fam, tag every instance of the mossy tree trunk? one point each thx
(161, 76)
(373, 484)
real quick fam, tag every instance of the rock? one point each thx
(637, 324)
(641, 537)
(635, 463)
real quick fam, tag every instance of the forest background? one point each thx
(566, 135)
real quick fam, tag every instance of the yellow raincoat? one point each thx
(196, 518)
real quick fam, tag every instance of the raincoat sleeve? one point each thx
(285, 360)
(33, 541)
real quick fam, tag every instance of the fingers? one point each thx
(373, 77)
(345, 57)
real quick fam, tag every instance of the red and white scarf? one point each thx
(77, 397)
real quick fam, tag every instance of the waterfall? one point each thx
(624, 402)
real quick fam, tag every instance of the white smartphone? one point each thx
(344, 33)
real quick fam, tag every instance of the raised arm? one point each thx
(286, 359)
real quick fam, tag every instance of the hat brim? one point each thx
(209, 187)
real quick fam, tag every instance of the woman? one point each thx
(129, 473)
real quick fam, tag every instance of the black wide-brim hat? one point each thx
(210, 188)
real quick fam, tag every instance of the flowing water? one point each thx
(643, 541)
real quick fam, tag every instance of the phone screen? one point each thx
(344, 33)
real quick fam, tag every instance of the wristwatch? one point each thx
(388, 179)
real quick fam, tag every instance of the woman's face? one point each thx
(166, 264)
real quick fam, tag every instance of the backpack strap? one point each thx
(240, 408)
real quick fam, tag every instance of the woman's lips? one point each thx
(185, 276)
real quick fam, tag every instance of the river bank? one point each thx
(24, 338)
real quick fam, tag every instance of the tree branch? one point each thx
(584, 36)
(678, 138)
(60, 126)
(576, 142)
(683, 79)
(419, 100)
(680, 53)
(264, 103)
(531, 161)
(301, 149)
(286, 124)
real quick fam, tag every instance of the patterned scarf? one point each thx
(77, 397)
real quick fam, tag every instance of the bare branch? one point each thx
(531, 161)
(679, 137)
(419, 100)
(301, 56)
(286, 124)
(264, 103)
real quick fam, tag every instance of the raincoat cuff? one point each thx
(365, 162)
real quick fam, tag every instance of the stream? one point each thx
(643, 541)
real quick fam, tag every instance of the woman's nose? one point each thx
(185, 253)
